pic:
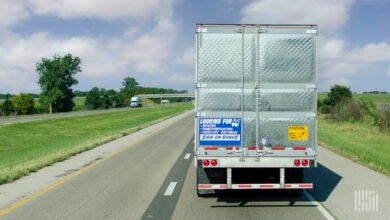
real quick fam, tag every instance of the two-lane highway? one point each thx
(155, 179)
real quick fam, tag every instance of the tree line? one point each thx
(56, 79)
(100, 98)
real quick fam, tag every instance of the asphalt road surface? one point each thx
(154, 178)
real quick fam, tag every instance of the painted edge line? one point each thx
(83, 170)
(170, 189)
(187, 156)
(324, 212)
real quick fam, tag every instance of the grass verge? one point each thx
(27, 147)
(358, 141)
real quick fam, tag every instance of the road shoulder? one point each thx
(347, 189)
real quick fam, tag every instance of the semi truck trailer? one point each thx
(135, 102)
(255, 106)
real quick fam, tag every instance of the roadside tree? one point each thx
(128, 90)
(7, 107)
(93, 100)
(337, 94)
(23, 103)
(56, 78)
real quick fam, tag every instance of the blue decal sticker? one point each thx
(220, 131)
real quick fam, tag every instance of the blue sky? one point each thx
(153, 40)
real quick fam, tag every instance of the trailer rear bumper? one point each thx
(253, 162)
(257, 186)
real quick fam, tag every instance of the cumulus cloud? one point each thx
(16, 81)
(330, 15)
(372, 52)
(337, 61)
(148, 52)
(102, 9)
(187, 58)
(12, 12)
(181, 78)
(140, 49)
(21, 55)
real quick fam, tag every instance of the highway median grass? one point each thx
(359, 141)
(27, 147)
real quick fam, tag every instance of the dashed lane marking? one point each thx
(170, 189)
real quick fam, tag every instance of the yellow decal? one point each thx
(298, 133)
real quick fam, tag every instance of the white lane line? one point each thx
(187, 156)
(170, 189)
(318, 205)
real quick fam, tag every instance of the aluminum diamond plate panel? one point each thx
(301, 100)
(287, 58)
(264, 74)
(275, 130)
(219, 58)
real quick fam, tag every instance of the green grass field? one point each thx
(79, 103)
(359, 141)
(27, 147)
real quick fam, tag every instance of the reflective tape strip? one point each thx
(269, 186)
(299, 186)
(212, 186)
(211, 148)
(299, 148)
(257, 186)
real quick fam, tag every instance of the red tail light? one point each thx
(305, 163)
(206, 163)
(214, 163)
(297, 163)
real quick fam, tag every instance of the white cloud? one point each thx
(19, 57)
(331, 48)
(136, 50)
(16, 81)
(187, 58)
(149, 51)
(102, 9)
(11, 13)
(330, 15)
(132, 31)
(336, 60)
(181, 79)
(25, 53)
(371, 53)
